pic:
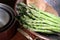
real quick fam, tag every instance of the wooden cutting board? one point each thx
(41, 4)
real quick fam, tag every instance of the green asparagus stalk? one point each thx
(38, 20)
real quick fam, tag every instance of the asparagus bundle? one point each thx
(37, 20)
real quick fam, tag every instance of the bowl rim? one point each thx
(12, 14)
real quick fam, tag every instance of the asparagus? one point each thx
(38, 20)
(55, 28)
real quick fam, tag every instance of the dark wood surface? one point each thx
(9, 2)
(18, 36)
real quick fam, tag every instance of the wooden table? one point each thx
(18, 36)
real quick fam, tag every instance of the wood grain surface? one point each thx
(18, 36)
(41, 4)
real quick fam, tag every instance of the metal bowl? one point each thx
(6, 16)
(7, 22)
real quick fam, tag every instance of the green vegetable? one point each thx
(37, 20)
